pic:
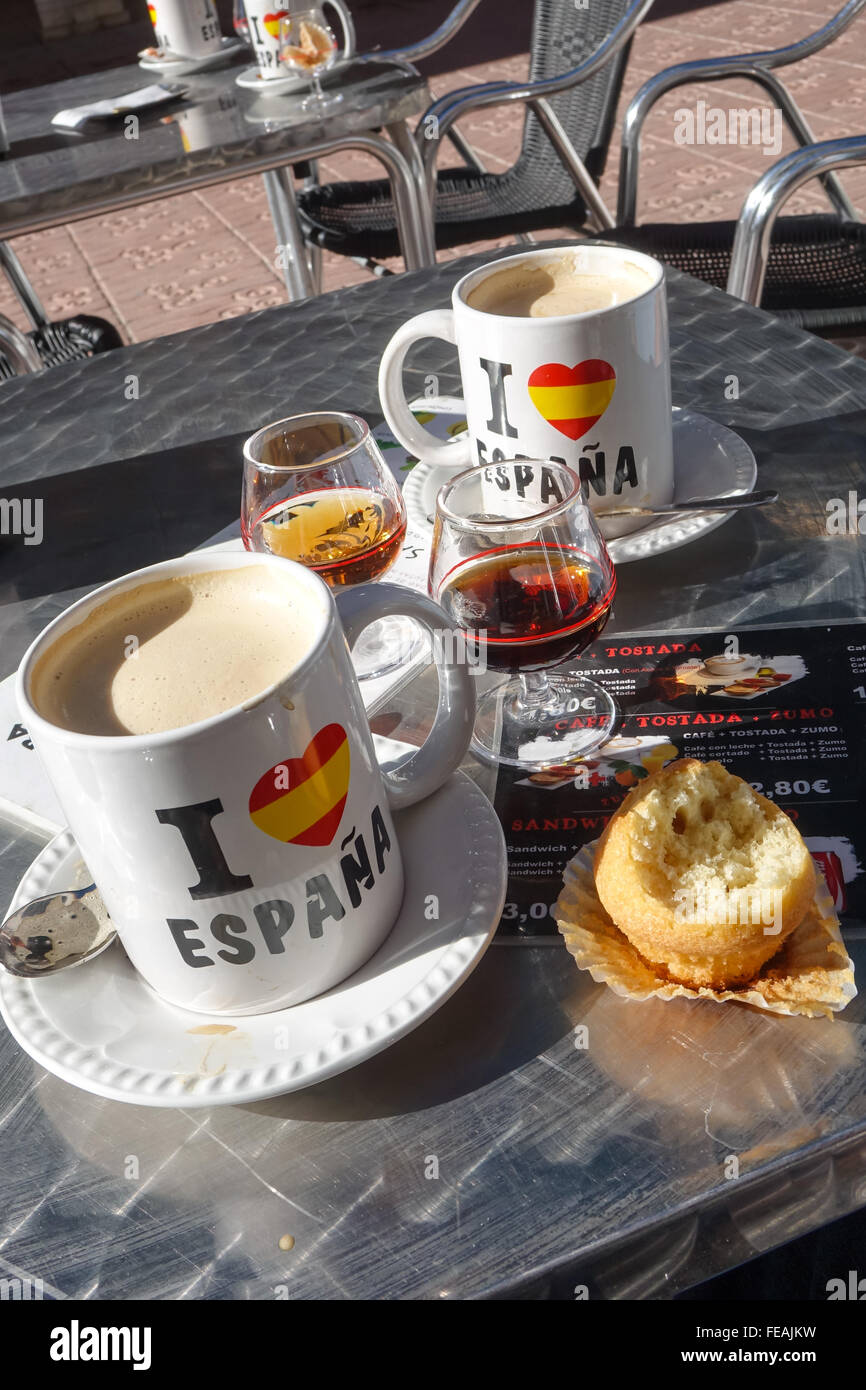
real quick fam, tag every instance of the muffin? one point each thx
(704, 876)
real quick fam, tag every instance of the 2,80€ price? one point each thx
(802, 788)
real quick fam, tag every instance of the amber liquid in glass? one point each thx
(348, 535)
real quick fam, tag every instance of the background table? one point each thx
(557, 1166)
(219, 132)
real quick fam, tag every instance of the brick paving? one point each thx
(185, 261)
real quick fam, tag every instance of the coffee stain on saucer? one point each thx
(215, 1031)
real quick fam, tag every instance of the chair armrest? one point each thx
(446, 31)
(711, 70)
(437, 119)
(764, 202)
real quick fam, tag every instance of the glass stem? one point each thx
(535, 698)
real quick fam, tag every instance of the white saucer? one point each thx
(252, 81)
(709, 461)
(104, 1030)
(176, 66)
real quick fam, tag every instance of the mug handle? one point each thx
(347, 25)
(445, 746)
(437, 323)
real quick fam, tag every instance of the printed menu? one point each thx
(783, 707)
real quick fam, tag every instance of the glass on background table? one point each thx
(308, 47)
(559, 1165)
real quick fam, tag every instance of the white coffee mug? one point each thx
(249, 861)
(263, 20)
(591, 390)
(187, 28)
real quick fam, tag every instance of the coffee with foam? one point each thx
(555, 288)
(172, 652)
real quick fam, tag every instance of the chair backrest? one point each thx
(563, 34)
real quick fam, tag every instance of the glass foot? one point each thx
(543, 720)
(319, 103)
(385, 646)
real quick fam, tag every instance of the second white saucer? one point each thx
(252, 81)
(709, 461)
(173, 65)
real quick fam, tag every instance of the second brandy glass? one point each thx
(317, 490)
(520, 567)
(308, 46)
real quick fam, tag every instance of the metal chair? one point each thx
(810, 270)
(752, 250)
(18, 356)
(50, 343)
(579, 53)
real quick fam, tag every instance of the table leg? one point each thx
(416, 204)
(314, 253)
(291, 247)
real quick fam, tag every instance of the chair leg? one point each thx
(573, 163)
(314, 263)
(17, 277)
(465, 151)
(423, 212)
(314, 252)
(291, 246)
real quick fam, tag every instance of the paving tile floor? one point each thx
(181, 262)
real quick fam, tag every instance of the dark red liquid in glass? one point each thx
(529, 606)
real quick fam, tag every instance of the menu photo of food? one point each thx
(625, 761)
(738, 676)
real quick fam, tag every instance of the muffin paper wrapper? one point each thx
(810, 974)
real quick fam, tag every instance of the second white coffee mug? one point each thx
(590, 390)
(186, 28)
(263, 20)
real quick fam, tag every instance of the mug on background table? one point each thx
(263, 31)
(248, 860)
(588, 389)
(187, 28)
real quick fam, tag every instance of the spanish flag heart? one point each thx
(151, 10)
(301, 800)
(571, 399)
(271, 22)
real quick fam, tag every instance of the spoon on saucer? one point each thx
(55, 932)
(703, 504)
